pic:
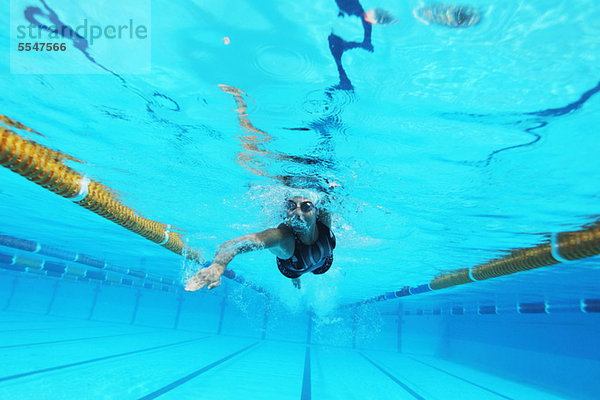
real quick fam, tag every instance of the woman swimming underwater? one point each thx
(303, 243)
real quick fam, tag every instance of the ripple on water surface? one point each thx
(284, 63)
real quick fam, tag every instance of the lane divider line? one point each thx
(392, 377)
(75, 364)
(11, 346)
(194, 374)
(46, 167)
(460, 378)
(561, 249)
(306, 381)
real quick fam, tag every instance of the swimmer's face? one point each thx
(301, 213)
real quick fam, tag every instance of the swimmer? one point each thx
(452, 16)
(303, 243)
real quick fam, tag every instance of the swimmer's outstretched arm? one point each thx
(279, 240)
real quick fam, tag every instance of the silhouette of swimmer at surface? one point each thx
(452, 16)
(303, 243)
(338, 46)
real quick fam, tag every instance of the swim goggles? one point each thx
(305, 206)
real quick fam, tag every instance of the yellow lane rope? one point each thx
(562, 247)
(45, 167)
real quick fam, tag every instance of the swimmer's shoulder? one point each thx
(287, 243)
(324, 217)
(285, 230)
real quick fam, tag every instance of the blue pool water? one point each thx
(437, 148)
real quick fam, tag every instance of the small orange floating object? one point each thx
(226, 40)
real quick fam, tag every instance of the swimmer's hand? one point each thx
(296, 282)
(209, 277)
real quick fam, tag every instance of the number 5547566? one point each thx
(40, 46)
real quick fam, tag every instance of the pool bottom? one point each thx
(50, 357)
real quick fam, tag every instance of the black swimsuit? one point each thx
(316, 258)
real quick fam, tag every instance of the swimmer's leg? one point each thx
(338, 46)
(241, 111)
(367, 29)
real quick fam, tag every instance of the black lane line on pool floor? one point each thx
(39, 371)
(45, 329)
(59, 325)
(194, 374)
(306, 388)
(462, 379)
(392, 377)
(71, 340)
